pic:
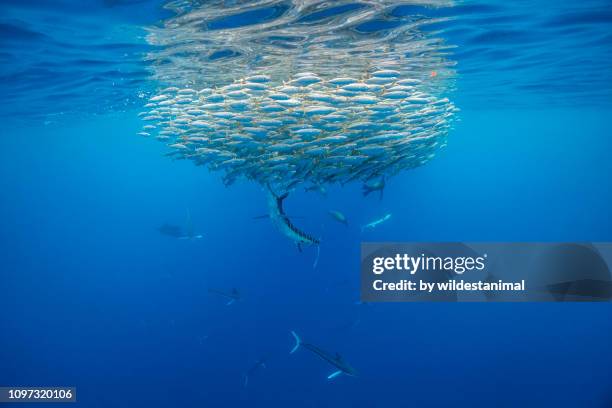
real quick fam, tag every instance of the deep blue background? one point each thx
(91, 295)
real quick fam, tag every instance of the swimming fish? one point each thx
(338, 216)
(374, 185)
(233, 296)
(336, 360)
(171, 230)
(319, 188)
(284, 225)
(376, 223)
(261, 363)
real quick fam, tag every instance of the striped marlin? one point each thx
(233, 296)
(284, 224)
(261, 363)
(336, 360)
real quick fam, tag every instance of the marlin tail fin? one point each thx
(298, 341)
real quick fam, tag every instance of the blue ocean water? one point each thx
(93, 296)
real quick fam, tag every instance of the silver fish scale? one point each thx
(344, 128)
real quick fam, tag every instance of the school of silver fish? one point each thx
(308, 129)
